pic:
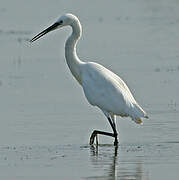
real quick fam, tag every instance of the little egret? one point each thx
(102, 87)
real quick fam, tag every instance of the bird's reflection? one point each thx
(96, 157)
(107, 158)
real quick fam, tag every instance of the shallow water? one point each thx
(46, 121)
(128, 161)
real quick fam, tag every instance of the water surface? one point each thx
(46, 121)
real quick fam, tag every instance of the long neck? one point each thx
(70, 51)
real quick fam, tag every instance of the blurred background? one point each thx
(42, 104)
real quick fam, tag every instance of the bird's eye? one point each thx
(61, 22)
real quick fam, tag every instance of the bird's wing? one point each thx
(101, 74)
(105, 89)
(120, 83)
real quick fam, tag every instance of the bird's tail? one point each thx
(138, 114)
(138, 121)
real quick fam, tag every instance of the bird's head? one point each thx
(65, 20)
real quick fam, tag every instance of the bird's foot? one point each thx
(96, 132)
(93, 135)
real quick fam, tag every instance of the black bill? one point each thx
(44, 32)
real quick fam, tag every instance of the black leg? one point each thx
(113, 125)
(96, 132)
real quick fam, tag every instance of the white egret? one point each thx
(101, 86)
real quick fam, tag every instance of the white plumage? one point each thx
(108, 91)
(102, 87)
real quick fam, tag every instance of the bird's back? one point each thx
(105, 89)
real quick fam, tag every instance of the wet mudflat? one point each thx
(46, 121)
